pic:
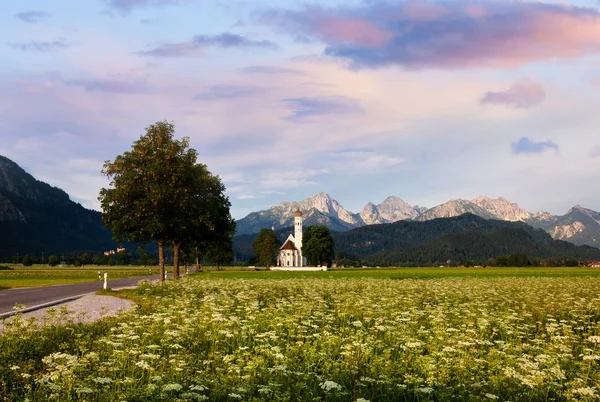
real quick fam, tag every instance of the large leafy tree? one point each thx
(205, 222)
(266, 247)
(148, 188)
(221, 252)
(317, 245)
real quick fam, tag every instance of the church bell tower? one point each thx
(298, 229)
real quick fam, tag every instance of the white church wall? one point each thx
(298, 268)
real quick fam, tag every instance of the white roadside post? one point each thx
(105, 279)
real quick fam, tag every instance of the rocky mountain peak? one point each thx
(581, 209)
(588, 213)
(392, 209)
(502, 209)
(541, 219)
(454, 208)
(322, 202)
(322, 196)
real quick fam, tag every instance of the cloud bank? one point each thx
(111, 85)
(270, 70)
(32, 17)
(127, 6)
(221, 92)
(521, 95)
(526, 146)
(40, 46)
(199, 43)
(305, 108)
(447, 35)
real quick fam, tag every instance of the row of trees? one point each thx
(141, 258)
(508, 260)
(317, 246)
(159, 193)
(84, 259)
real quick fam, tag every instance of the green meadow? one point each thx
(345, 335)
(404, 273)
(39, 275)
(43, 275)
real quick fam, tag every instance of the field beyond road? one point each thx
(348, 335)
(39, 275)
(43, 275)
(406, 273)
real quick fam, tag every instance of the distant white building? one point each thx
(290, 254)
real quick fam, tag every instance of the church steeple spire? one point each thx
(298, 230)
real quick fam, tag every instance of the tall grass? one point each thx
(308, 339)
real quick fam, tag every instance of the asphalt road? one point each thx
(38, 296)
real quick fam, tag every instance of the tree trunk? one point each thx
(218, 266)
(161, 261)
(175, 260)
(198, 266)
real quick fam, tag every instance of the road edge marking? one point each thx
(43, 305)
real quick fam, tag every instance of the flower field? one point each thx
(318, 339)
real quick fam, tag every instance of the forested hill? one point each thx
(36, 217)
(464, 237)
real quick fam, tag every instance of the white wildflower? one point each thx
(585, 391)
(331, 385)
(199, 388)
(172, 387)
(143, 364)
(84, 390)
(103, 380)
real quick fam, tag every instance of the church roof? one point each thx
(288, 245)
(298, 213)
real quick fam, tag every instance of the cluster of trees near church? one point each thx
(317, 247)
(159, 193)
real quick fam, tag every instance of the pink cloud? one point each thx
(423, 11)
(354, 31)
(453, 34)
(521, 95)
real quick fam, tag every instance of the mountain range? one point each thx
(435, 241)
(37, 218)
(579, 225)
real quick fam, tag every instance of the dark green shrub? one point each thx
(27, 261)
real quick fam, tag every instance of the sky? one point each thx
(425, 100)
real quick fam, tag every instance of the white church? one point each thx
(290, 254)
